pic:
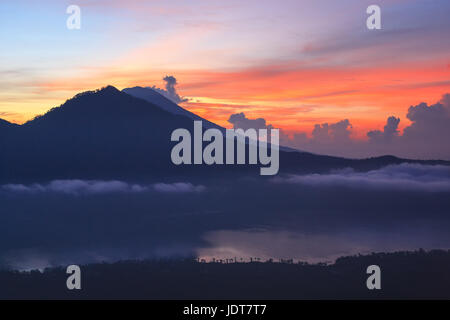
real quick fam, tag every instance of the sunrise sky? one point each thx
(294, 63)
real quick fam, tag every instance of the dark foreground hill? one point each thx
(404, 275)
(109, 134)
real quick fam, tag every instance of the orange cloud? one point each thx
(289, 95)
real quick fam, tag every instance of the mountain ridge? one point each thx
(150, 95)
(109, 134)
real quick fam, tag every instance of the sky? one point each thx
(297, 64)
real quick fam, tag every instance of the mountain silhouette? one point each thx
(96, 134)
(152, 96)
(108, 133)
(6, 126)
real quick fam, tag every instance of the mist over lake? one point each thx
(288, 217)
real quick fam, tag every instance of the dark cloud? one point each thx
(390, 131)
(240, 121)
(325, 136)
(429, 123)
(170, 92)
(331, 133)
(425, 138)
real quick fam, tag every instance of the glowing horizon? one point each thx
(295, 64)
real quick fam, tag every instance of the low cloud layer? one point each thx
(88, 187)
(65, 222)
(178, 187)
(425, 138)
(411, 177)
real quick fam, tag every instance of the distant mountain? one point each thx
(150, 95)
(158, 99)
(109, 134)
